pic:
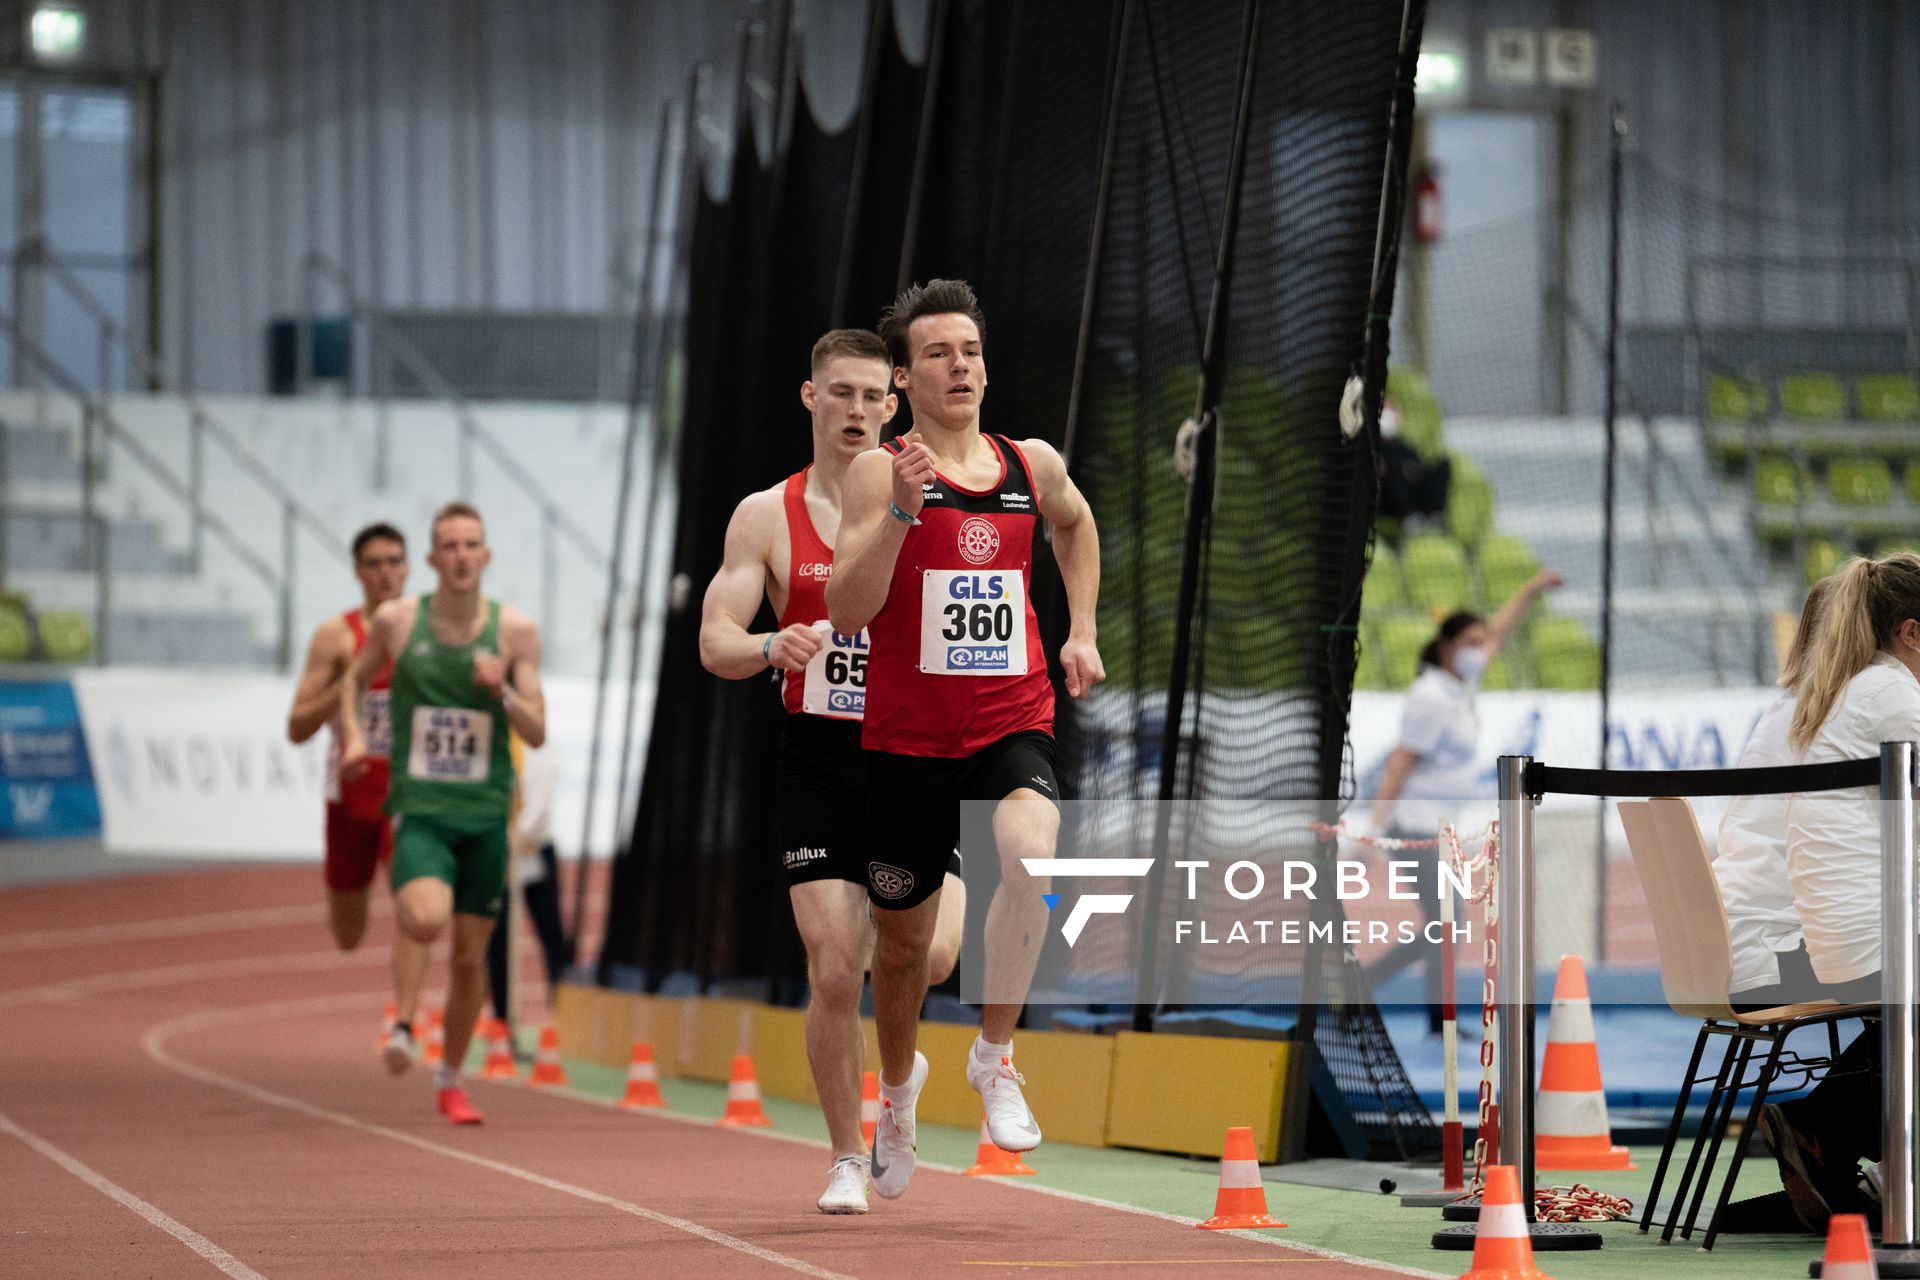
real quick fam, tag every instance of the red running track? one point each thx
(187, 1087)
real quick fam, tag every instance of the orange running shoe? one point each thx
(455, 1107)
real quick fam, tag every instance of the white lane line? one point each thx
(172, 927)
(200, 970)
(155, 1045)
(655, 1113)
(172, 1226)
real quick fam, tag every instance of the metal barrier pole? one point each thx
(102, 588)
(197, 483)
(1513, 982)
(288, 527)
(1899, 1251)
(549, 574)
(1514, 974)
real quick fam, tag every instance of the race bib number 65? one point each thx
(450, 744)
(376, 715)
(836, 679)
(973, 622)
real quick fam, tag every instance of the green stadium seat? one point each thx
(1469, 503)
(1435, 571)
(1734, 399)
(1499, 675)
(1813, 397)
(1823, 557)
(1400, 641)
(1913, 482)
(1383, 588)
(1860, 482)
(1564, 654)
(1888, 397)
(1420, 423)
(1506, 563)
(16, 635)
(1777, 481)
(66, 637)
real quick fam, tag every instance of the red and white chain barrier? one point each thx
(1579, 1203)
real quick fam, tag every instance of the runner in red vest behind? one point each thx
(938, 567)
(359, 835)
(780, 547)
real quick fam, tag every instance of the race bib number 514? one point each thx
(973, 623)
(450, 744)
(836, 679)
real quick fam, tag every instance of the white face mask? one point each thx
(1470, 662)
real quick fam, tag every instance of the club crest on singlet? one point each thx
(979, 540)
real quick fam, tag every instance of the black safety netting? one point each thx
(995, 175)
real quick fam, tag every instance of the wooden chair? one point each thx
(1696, 973)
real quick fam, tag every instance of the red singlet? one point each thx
(366, 796)
(957, 663)
(834, 684)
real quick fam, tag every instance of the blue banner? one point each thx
(46, 782)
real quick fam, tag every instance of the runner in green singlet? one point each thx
(465, 670)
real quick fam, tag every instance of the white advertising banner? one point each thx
(199, 765)
(1650, 730)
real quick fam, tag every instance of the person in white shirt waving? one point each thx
(1860, 688)
(1433, 769)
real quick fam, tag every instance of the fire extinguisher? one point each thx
(1429, 210)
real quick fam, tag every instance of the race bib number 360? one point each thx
(836, 679)
(973, 623)
(450, 744)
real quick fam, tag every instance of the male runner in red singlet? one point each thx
(780, 546)
(937, 566)
(359, 836)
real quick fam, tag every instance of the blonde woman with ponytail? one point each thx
(1860, 687)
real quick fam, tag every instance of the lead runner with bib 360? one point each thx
(938, 568)
(780, 545)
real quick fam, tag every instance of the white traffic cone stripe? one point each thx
(1239, 1174)
(644, 1072)
(870, 1112)
(743, 1091)
(1850, 1271)
(1503, 1221)
(1570, 1115)
(1571, 1022)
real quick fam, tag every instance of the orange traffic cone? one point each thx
(499, 1063)
(991, 1162)
(387, 1020)
(643, 1080)
(546, 1062)
(1241, 1200)
(743, 1095)
(869, 1106)
(1502, 1248)
(1570, 1118)
(1849, 1249)
(436, 1050)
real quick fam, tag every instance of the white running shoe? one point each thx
(398, 1052)
(846, 1186)
(894, 1134)
(1009, 1121)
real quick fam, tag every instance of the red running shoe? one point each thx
(455, 1107)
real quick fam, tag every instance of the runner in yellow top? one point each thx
(465, 670)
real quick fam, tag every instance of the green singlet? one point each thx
(451, 784)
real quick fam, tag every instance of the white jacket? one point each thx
(1833, 837)
(1752, 861)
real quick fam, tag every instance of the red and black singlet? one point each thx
(956, 657)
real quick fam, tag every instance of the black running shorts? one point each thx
(822, 802)
(913, 811)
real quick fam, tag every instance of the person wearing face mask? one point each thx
(1860, 687)
(1434, 767)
